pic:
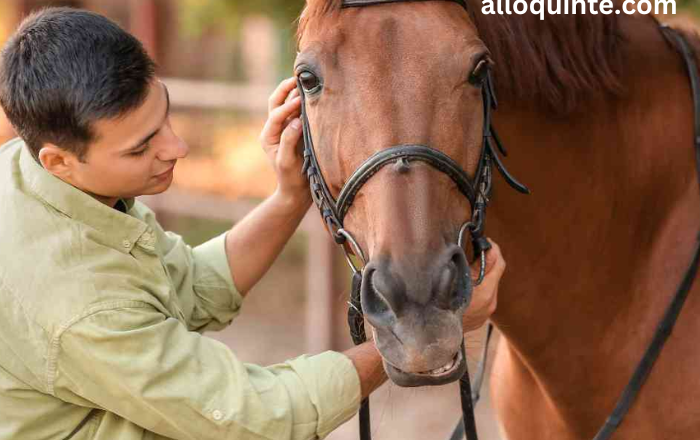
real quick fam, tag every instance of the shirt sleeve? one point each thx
(201, 277)
(135, 362)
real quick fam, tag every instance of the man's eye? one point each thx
(140, 152)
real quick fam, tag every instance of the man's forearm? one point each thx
(256, 241)
(368, 364)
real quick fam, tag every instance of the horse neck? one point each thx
(598, 249)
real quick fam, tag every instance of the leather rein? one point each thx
(477, 191)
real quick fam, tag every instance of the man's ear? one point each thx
(57, 161)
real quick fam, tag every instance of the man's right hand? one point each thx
(485, 295)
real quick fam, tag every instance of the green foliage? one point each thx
(689, 5)
(199, 15)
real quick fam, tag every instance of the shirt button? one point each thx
(217, 415)
(126, 244)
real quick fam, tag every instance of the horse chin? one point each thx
(451, 372)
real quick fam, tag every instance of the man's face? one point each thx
(134, 155)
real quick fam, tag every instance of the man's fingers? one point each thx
(294, 93)
(275, 123)
(279, 96)
(288, 155)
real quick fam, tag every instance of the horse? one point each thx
(595, 111)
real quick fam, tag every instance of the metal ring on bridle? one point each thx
(462, 230)
(357, 250)
(482, 265)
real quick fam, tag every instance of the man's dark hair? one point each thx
(63, 70)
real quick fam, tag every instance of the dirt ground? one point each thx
(271, 329)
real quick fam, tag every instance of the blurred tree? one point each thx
(690, 5)
(199, 15)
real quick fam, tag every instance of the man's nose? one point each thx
(174, 148)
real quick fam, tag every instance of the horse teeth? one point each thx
(444, 368)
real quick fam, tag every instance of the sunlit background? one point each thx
(221, 59)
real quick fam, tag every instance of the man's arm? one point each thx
(368, 363)
(131, 360)
(255, 242)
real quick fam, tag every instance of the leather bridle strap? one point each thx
(665, 328)
(406, 153)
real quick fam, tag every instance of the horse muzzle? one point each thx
(415, 306)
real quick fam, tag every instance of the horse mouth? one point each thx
(448, 373)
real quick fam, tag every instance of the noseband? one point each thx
(476, 190)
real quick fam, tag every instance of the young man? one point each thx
(102, 310)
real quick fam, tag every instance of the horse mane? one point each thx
(555, 64)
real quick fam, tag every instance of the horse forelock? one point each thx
(555, 64)
(314, 10)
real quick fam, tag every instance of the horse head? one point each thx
(394, 78)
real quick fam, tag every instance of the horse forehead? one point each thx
(414, 26)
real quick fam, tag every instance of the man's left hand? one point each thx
(485, 295)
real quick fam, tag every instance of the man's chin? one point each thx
(152, 190)
(158, 188)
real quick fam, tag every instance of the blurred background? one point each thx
(221, 59)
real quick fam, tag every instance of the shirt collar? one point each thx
(115, 229)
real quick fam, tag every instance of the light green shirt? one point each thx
(100, 321)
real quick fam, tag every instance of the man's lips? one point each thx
(165, 173)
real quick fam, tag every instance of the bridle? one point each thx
(477, 191)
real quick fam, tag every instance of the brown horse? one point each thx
(596, 112)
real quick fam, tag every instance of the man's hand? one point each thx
(282, 141)
(256, 241)
(485, 296)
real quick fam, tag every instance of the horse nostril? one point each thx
(375, 303)
(448, 278)
(453, 289)
(380, 305)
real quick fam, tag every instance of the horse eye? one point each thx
(309, 81)
(478, 76)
